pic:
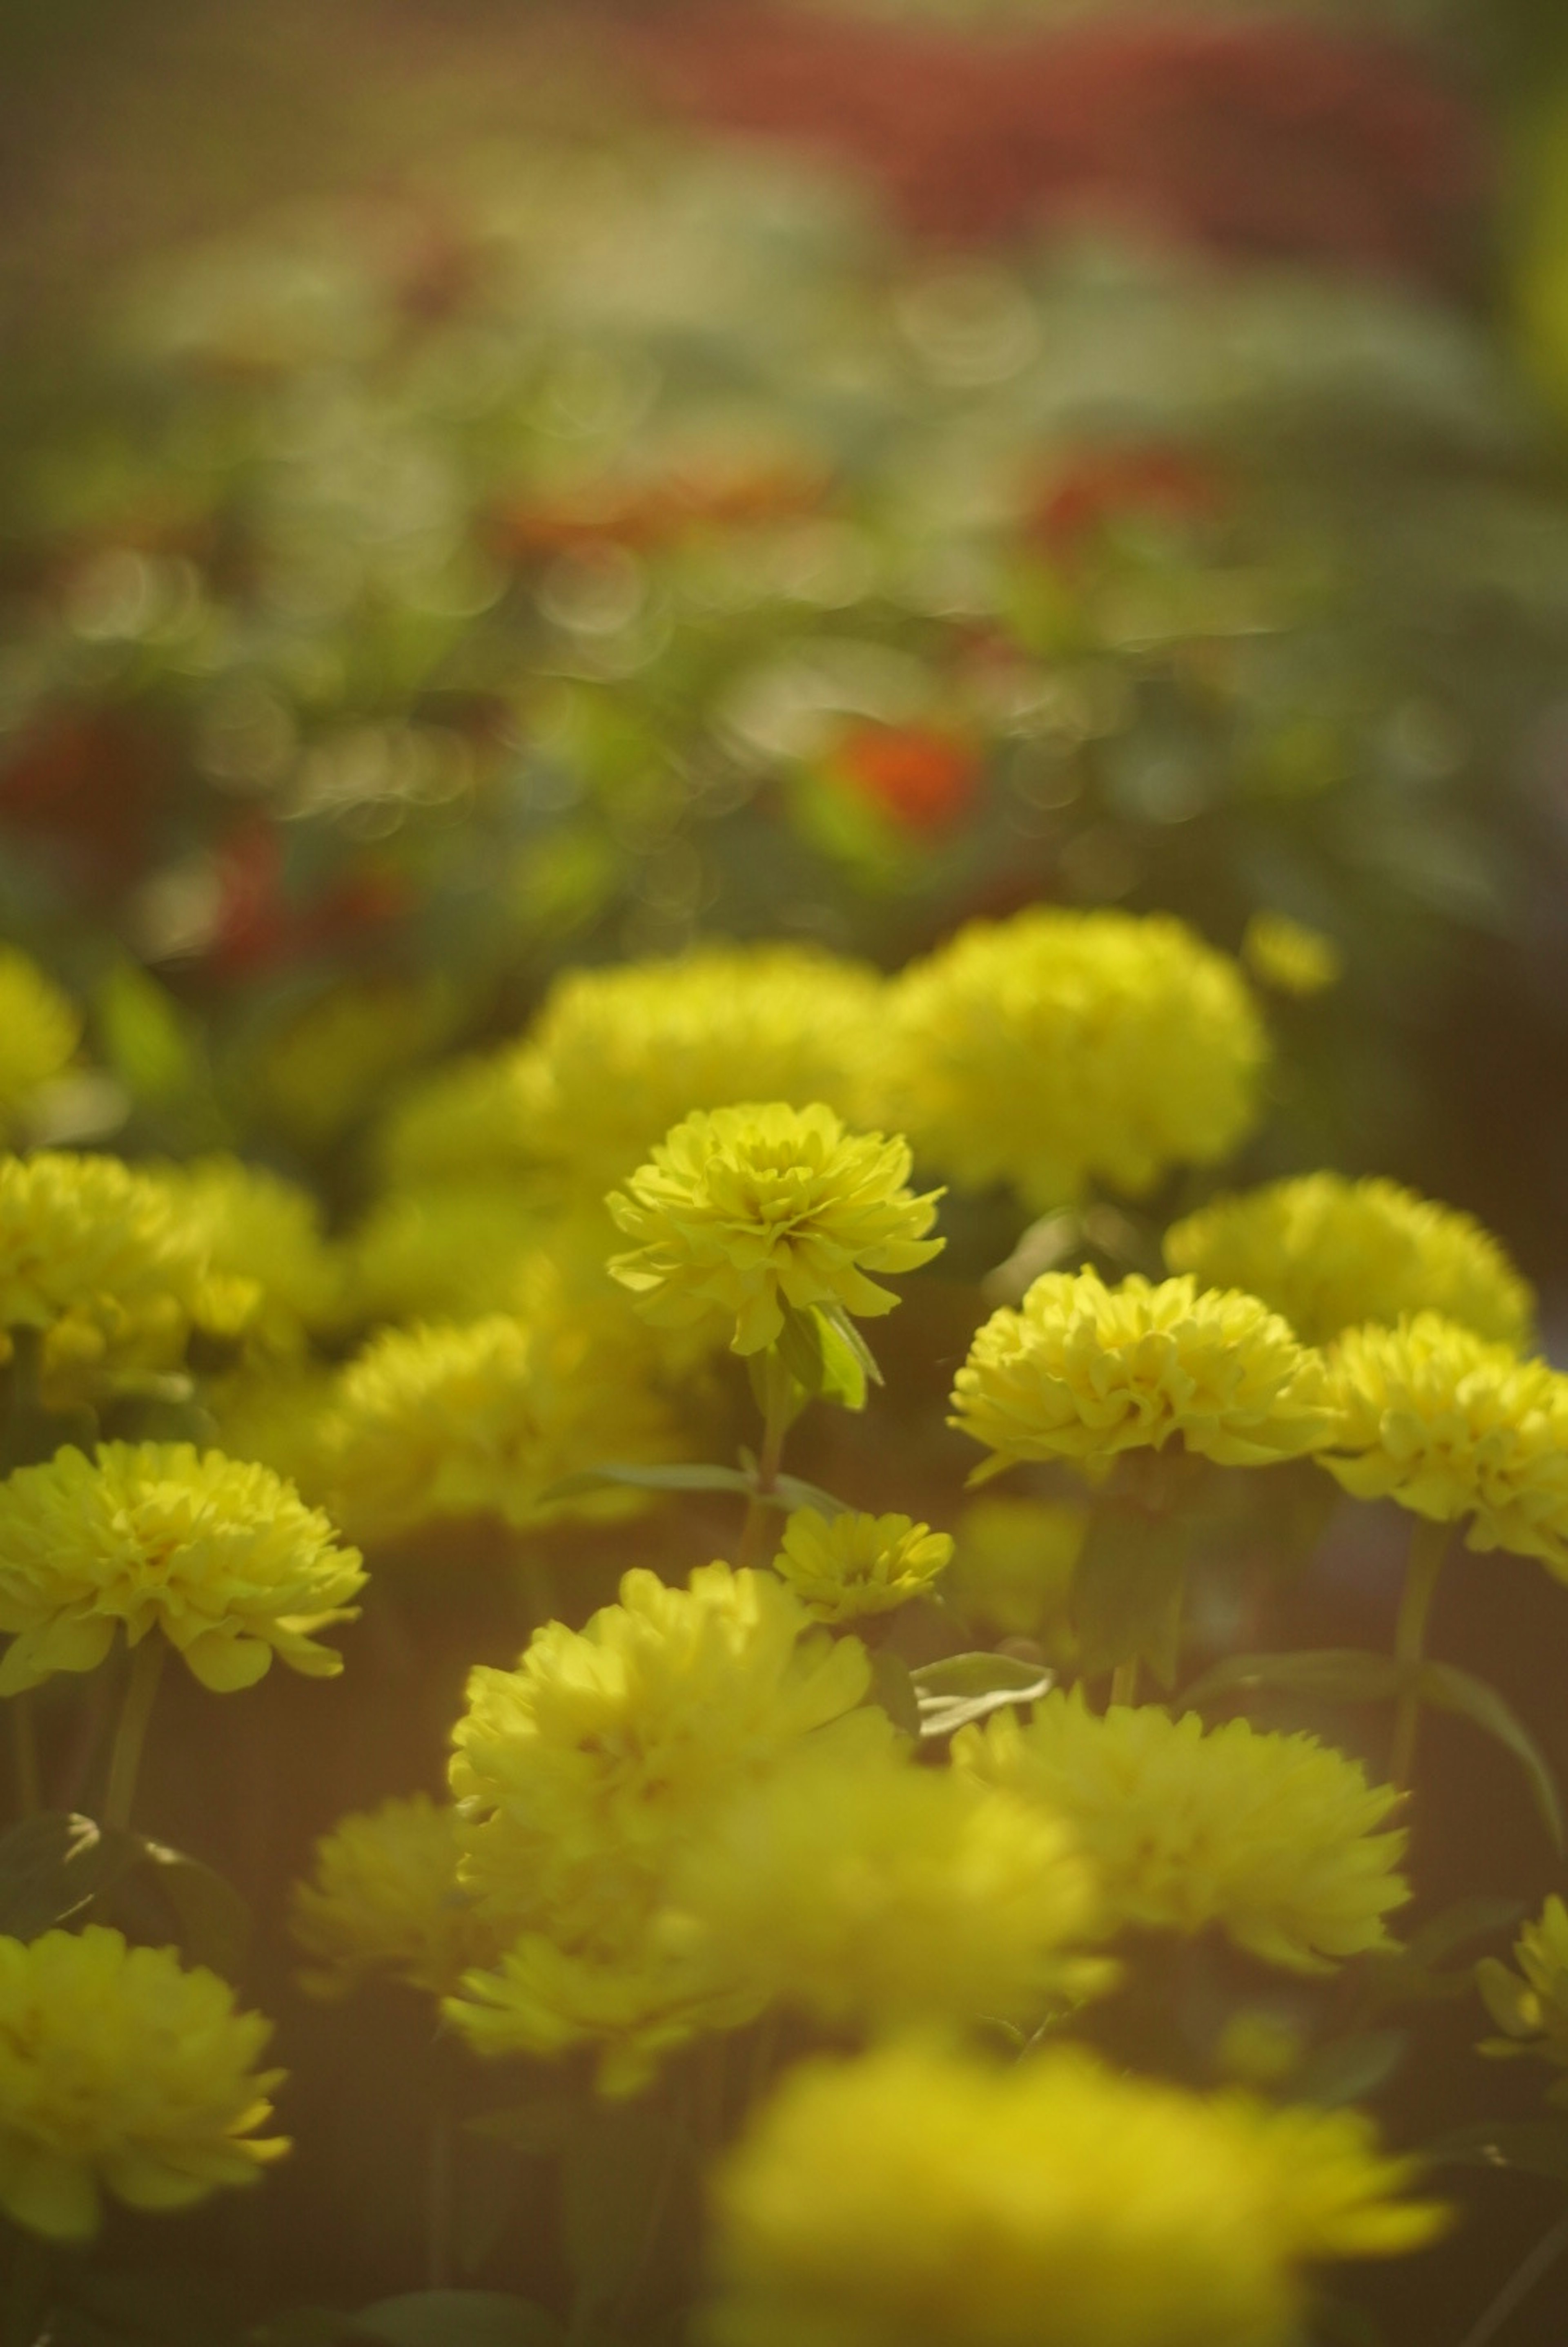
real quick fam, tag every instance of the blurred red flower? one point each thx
(923, 779)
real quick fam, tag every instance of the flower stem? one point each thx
(777, 1387)
(1519, 2285)
(1428, 1545)
(25, 1756)
(1124, 1682)
(440, 2182)
(130, 1736)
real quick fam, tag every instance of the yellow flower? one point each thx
(841, 1566)
(1060, 1048)
(1328, 1254)
(1014, 1566)
(121, 2073)
(39, 1031)
(86, 1235)
(482, 1418)
(916, 2199)
(451, 1250)
(1432, 1416)
(749, 1209)
(876, 1894)
(255, 1227)
(1084, 1371)
(386, 1899)
(1532, 2012)
(582, 1770)
(472, 1120)
(1273, 1838)
(1289, 956)
(223, 1558)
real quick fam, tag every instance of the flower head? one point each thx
(385, 1898)
(1084, 1371)
(223, 1558)
(1274, 1837)
(913, 2195)
(120, 2072)
(842, 1566)
(89, 1236)
(1060, 1048)
(1431, 1415)
(747, 1210)
(1328, 1254)
(1289, 956)
(256, 1227)
(39, 1031)
(1532, 2010)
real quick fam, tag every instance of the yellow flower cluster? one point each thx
(1532, 2012)
(1060, 1048)
(1084, 1371)
(88, 1237)
(385, 1899)
(917, 2197)
(1275, 1839)
(39, 1031)
(840, 1567)
(222, 1558)
(1431, 1415)
(745, 1210)
(121, 2073)
(1328, 1254)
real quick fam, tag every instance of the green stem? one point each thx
(25, 1756)
(1519, 2285)
(779, 1389)
(130, 1736)
(1428, 1545)
(440, 2182)
(1124, 1682)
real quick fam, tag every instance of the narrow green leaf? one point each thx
(1447, 1689)
(213, 1922)
(799, 1345)
(847, 1334)
(1535, 2147)
(790, 1491)
(1328, 1674)
(961, 1688)
(55, 1865)
(459, 2318)
(1349, 2069)
(647, 1479)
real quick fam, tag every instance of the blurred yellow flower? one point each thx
(1084, 1371)
(223, 1558)
(913, 2195)
(1328, 1253)
(1012, 1568)
(1532, 2011)
(1062, 1048)
(121, 2073)
(470, 1119)
(39, 1031)
(748, 1209)
(384, 1899)
(843, 1567)
(89, 1236)
(451, 1250)
(1289, 956)
(1273, 1838)
(1431, 1415)
(253, 1226)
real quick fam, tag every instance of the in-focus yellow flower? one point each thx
(1012, 1569)
(87, 1236)
(876, 1894)
(1289, 956)
(121, 2073)
(39, 1031)
(582, 1770)
(915, 2196)
(1276, 1839)
(1084, 1371)
(223, 1558)
(385, 1899)
(1532, 2012)
(842, 1566)
(1328, 1254)
(1061, 1048)
(1431, 1415)
(747, 1209)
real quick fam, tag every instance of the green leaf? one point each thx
(826, 1355)
(55, 1865)
(892, 1686)
(213, 1923)
(1348, 2069)
(648, 1479)
(1410, 1974)
(614, 2180)
(459, 2318)
(961, 1688)
(1127, 1590)
(790, 1491)
(842, 1331)
(1447, 1689)
(1535, 2147)
(1327, 1674)
(145, 1037)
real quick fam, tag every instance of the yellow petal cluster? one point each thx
(254, 1226)
(843, 1567)
(1431, 1415)
(121, 2073)
(917, 2199)
(1328, 1253)
(1275, 1839)
(1059, 1048)
(88, 1237)
(223, 1558)
(384, 1900)
(748, 1209)
(1084, 1371)
(1290, 957)
(39, 1031)
(1530, 2006)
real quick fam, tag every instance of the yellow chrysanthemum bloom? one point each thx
(86, 1235)
(617, 1057)
(747, 1209)
(1012, 1568)
(223, 1558)
(252, 1225)
(1432, 1416)
(1062, 1048)
(843, 1567)
(1274, 1837)
(121, 2073)
(1532, 2012)
(579, 1772)
(1084, 1371)
(915, 2196)
(1289, 956)
(1328, 1254)
(39, 1031)
(385, 1898)
(876, 1894)
(482, 1418)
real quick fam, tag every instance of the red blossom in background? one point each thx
(1100, 485)
(260, 926)
(923, 779)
